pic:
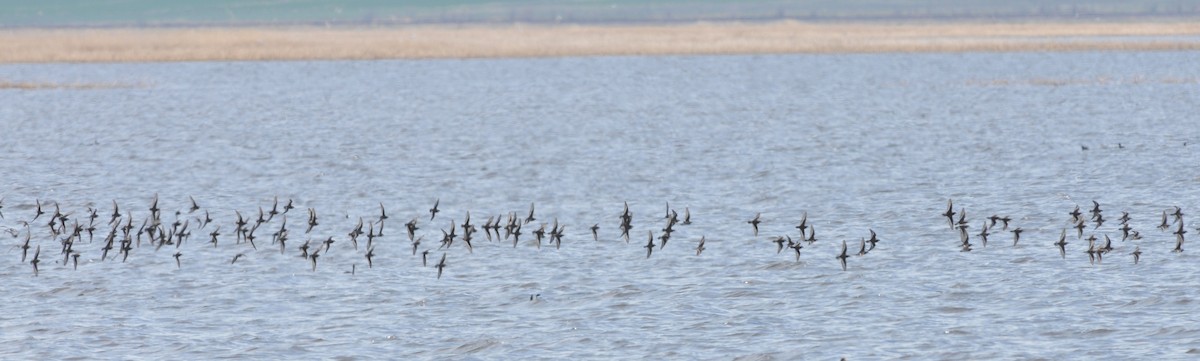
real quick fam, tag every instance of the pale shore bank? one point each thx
(504, 41)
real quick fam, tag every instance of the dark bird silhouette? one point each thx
(274, 209)
(873, 240)
(313, 257)
(194, 205)
(649, 244)
(842, 257)
(1075, 214)
(795, 247)
(441, 265)
(25, 247)
(1179, 238)
(1164, 225)
(803, 223)
(754, 222)
(778, 244)
(433, 211)
(687, 215)
(177, 255)
(1017, 235)
(1091, 251)
(530, 218)
(983, 234)
(35, 260)
(1125, 228)
(1137, 254)
(312, 220)
(425, 258)
(596, 232)
(236, 256)
(700, 247)
(862, 247)
(382, 213)
(1062, 243)
(370, 253)
(39, 212)
(949, 213)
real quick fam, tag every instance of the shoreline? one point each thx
(525, 41)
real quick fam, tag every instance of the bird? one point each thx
(194, 206)
(177, 255)
(842, 257)
(862, 247)
(441, 265)
(803, 223)
(433, 211)
(873, 240)
(370, 253)
(1179, 239)
(1125, 228)
(650, 244)
(25, 247)
(530, 217)
(949, 213)
(313, 257)
(1017, 235)
(754, 222)
(236, 256)
(1062, 243)
(983, 233)
(700, 247)
(39, 212)
(778, 244)
(595, 232)
(425, 258)
(1137, 254)
(382, 212)
(795, 247)
(687, 215)
(35, 260)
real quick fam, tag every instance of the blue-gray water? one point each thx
(858, 142)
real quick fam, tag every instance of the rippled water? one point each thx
(859, 142)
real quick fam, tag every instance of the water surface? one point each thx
(859, 142)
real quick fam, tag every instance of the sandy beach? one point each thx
(495, 41)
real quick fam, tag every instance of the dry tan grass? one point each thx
(300, 43)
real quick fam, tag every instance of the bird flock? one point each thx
(114, 236)
(1172, 222)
